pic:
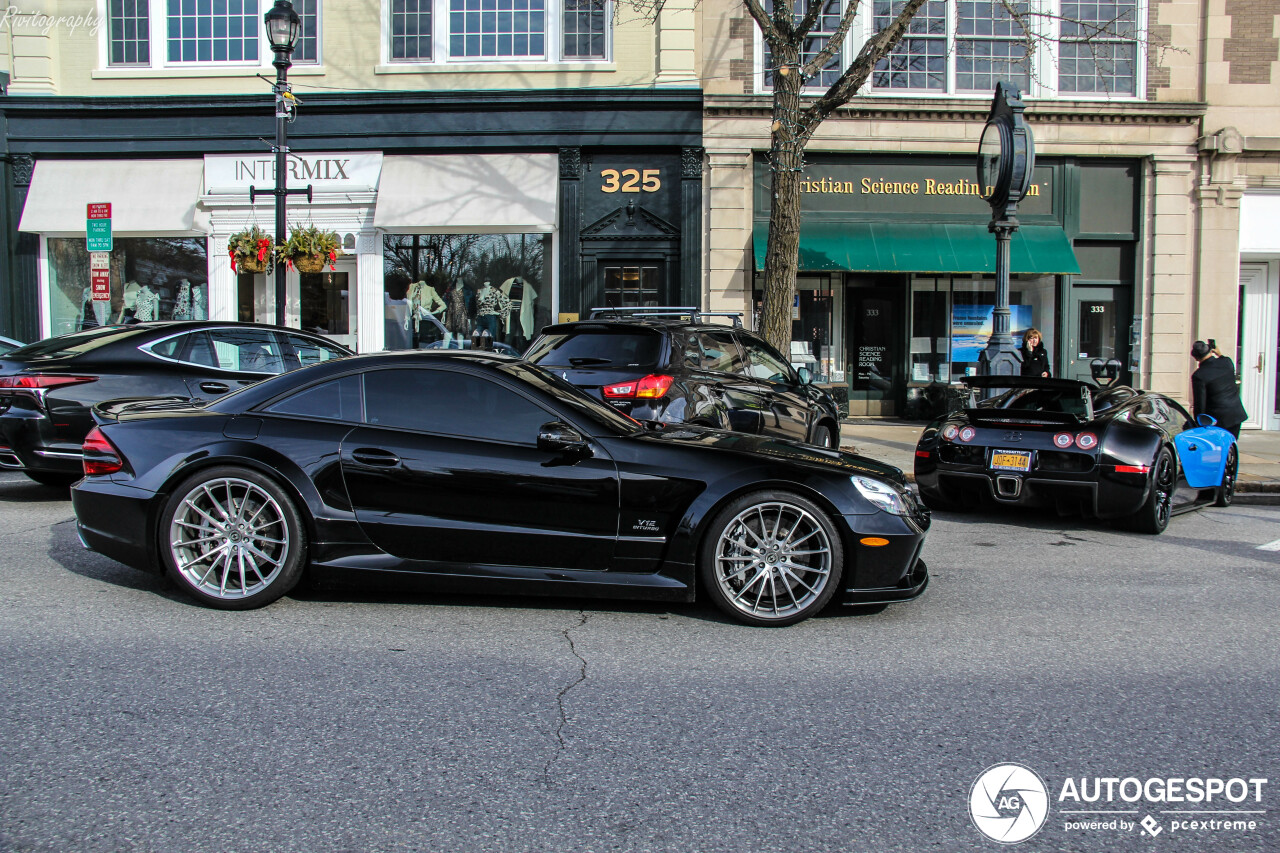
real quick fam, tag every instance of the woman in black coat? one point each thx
(1035, 358)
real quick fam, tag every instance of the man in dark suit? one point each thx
(1213, 388)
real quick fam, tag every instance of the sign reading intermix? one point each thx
(345, 171)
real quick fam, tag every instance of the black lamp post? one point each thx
(283, 28)
(1006, 158)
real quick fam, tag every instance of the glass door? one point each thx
(1258, 349)
(325, 302)
(1097, 327)
(632, 285)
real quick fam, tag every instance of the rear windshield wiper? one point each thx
(584, 360)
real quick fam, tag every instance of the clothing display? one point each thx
(395, 313)
(182, 302)
(422, 300)
(199, 307)
(93, 313)
(455, 314)
(131, 290)
(521, 297)
(489, 323)
(492, 307)
(146, 305)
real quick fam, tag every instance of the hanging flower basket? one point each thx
(310, 263)
(310, 248)
(250, 250)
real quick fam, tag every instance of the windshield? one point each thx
(1065, 401)
(76, 342)
(597, 347)
(572, 396)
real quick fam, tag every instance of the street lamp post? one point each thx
(1006, 157)
(283, 27)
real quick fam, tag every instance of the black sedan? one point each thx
(47, 388)
(487, 473)
(1112, 453)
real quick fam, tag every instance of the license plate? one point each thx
(1011, 460)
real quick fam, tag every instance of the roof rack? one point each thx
(695, 315)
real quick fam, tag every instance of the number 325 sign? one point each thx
(631, 180)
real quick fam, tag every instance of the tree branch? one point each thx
(815, 66)
(763, 21)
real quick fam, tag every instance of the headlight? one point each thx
(882, 495)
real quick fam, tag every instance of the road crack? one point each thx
(561, 743)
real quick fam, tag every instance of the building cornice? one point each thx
(968, 109)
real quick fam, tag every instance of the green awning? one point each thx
(928, 247)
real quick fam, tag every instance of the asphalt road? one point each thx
(388, 720)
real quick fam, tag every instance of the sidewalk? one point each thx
(894, 442)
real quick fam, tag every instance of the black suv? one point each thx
(675, 366)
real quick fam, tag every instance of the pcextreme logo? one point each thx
(1009, 803)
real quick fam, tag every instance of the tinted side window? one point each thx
(248, 350)
(762, 364)
(449, 403)
(1180, 415)
(335, 400)
(314, 352)
(714, 351)
(172, 347)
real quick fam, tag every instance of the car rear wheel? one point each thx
(1227, 491)
(771, 558)
(56, 479)
(232, 538)
(823, 437)
(1153, 517)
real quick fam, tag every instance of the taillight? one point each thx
(968, 433)
(41, 381)
(1064, 439)
(100, 455)
(950, 431)
(651, 387)
(1086, 441)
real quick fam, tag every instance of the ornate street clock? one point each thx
(1006, 154)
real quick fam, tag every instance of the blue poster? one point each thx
(971, 328)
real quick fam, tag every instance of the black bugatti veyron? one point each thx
(1105, 452)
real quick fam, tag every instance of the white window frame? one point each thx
(158, 22)
(1044, 64)
(553, 39)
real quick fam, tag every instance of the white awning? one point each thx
(1258, 216)
(146, 196)
(459, 193)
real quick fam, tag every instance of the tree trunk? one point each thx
(786, 159)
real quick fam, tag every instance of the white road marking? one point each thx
(1270, 546)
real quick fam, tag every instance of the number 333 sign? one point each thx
(631, 180)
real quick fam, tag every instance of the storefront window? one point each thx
(152, 278)
(1031, 303)
(817, 341)
(439, 288)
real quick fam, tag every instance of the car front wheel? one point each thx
(232, 538)
(771, 558)
(823, 437)
(1227, 491)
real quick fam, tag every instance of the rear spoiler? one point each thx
(1085, 389)
(110, 411)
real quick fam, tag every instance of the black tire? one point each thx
(227, 514)
(1154, 514)
(759, 578)
(54, 479)
(1226, 493)
(823, 437)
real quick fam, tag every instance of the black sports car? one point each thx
(1111, 452)
(673, 365)
(487, 473)
(48, 387)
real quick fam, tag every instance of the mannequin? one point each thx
(423, 300)
(521, 295)
(182, 302)
(130, 303)
(492, 307)
(199, 308)
(456, 322)
(146, 305)
(93, 312)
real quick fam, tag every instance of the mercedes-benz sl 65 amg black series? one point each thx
(1111, 453)
(487, 473)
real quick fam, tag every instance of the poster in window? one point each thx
(971, 329)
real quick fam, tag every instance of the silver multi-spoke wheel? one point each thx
(229, 538)
(773, 561)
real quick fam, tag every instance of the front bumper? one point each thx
(883, 562)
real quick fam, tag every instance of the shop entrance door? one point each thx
(632, 284)
(1098, 320)
(1258, 354)
(323, 302)
(874, 323)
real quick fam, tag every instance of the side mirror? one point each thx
(806, 378)
(557, 437)
(1206, 420)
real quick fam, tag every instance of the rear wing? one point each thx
(973, 383)
(693, 315)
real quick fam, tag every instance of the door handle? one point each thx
(214, 387)
(1259, 362)
(376, 457)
